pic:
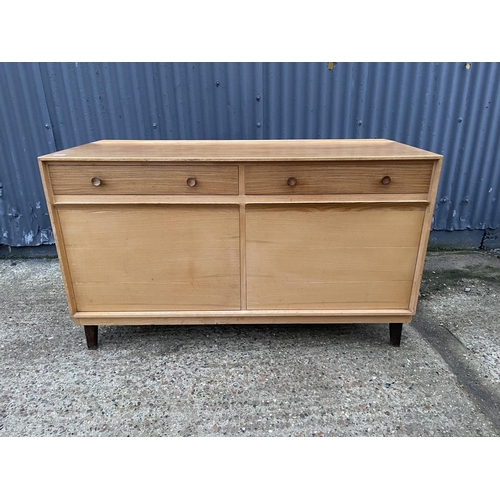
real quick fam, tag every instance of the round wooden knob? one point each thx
(191, 182)
(386, 180)
(291, 181)
(96, 181)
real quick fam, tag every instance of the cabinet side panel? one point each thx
(332, 256)
(147, 258)
(419, 267)
(58, 237)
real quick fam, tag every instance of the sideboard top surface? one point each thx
(248, 150)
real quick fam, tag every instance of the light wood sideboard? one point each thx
(210, 232)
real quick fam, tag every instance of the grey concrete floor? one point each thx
(296, 380)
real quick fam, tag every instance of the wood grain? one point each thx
(313, 179)
(331, 257)
(58, 236)
(241, 317)
(75, 179)
(243, 244)
(153, 258)
(138, 199)
(422, 250)
(262, 150)
(336, 246)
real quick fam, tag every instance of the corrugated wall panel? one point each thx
(25, 133)
(209, 100)
(92, 101)
(443, 107)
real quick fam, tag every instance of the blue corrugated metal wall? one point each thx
(448, 108)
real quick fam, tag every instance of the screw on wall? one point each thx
(331, 65)
(467, 65)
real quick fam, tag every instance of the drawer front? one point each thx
(139, 179)
(355, 178)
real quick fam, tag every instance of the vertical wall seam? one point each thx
(51, 121)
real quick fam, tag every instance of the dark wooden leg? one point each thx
(91, 334)
(395, 330)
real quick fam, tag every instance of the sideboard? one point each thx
(264, 231)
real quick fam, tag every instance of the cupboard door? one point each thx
(150, 258)
(331, 257)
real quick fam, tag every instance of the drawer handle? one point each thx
(386, 180)
(191, 182)
(291, 181)
(96, 181)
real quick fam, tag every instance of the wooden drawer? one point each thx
(346, 178)
(144, 179)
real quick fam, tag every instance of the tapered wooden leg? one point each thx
(395, 330)
(91, 335)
